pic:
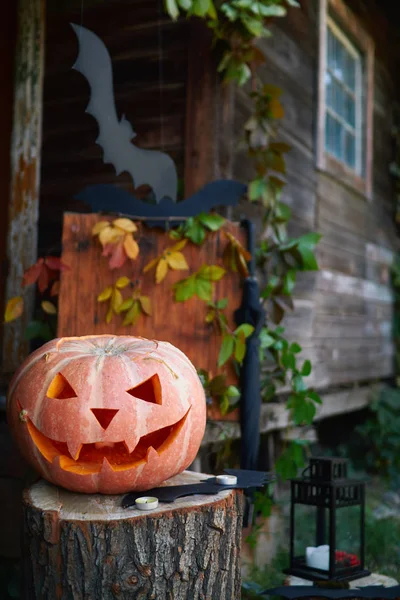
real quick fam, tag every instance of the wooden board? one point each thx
(182, 324)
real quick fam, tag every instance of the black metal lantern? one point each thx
(327, 516)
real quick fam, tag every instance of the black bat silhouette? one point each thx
(146, 167)
(110, 199)
(170, 493)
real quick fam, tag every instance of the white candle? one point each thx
(146, 503)
(226, 479)
(318, 558)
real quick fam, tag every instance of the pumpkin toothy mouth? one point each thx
(91, 457)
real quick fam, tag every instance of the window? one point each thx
(345, 97)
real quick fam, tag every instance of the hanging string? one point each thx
(161, 71)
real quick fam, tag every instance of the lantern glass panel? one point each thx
(348, 542)
(311, 531)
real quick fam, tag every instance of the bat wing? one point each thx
(110, 198)
(94, 62)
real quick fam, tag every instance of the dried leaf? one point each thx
(43, 281)
(132, 315)
(122, 282)
(150, 265)
(126, 305)
(125, 224)
(14, 309)
(105, 294)
(31, 275)
(55, 289)
(162, 270)
(118, 256)
(99, 227)
(116, 300)
(131, 246)
(54, 263)
(48, 307)
(109, 235)
(179, 246)
(109, 315)
(145, 303)
(176, 260)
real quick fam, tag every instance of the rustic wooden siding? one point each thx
(343, 313)
(150, 57)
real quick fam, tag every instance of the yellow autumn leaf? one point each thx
(150, 265)
(162, 270)
(109, 315)
(99, 227)
(132, 315)
(122, 282)
(126, 305)
(145, 303)
(276, 109)
(116, 300)
(14, 309)
(109, 235)
(125, 224)
(49, 307)
(131, 246)
(105, 294)
(176, 260)
(178, 246)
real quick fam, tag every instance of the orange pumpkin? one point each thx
(107, 413)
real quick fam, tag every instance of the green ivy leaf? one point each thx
(227, 349)
(185, 4)
(240, 348)
(213, 222)
(185, 289)
(314, 396)
(203, 289)
(295, 348)
(196, 233)
(289, 282)
(306, 369)
(266, 340)
(224, 405)
(257, 189)
(244, 328)
(298, 384)
(289, 361)
(222, 304)
(172, 8)
(200, 7)
(233, 392)
(211, 272)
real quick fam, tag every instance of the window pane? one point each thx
(333, 136)
(350, 110)
(350, 71)
(350, 150)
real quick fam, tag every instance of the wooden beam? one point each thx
(200, 135)
(275, 416)
(25, 169)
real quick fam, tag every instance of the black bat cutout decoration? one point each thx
(170, 493)
(108, 198)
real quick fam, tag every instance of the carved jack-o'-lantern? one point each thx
(107, 414)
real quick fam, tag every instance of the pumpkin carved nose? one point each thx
(104, 415)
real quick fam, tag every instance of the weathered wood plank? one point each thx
(25, 168)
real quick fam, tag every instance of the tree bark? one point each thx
(86, 547)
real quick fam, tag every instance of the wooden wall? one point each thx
(343, 313)
(149, 54)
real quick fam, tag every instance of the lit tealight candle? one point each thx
(146, 503)
(226, 479)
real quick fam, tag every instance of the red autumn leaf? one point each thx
(55, 289)
(117, 254)
(32, 274)
(55, 263)
(43, 281)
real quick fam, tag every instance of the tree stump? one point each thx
(86, 547)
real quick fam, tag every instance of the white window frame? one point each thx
(334, 14)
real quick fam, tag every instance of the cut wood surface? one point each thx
(80, 546)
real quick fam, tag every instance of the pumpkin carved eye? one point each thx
(60, 388)
(149, 390)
